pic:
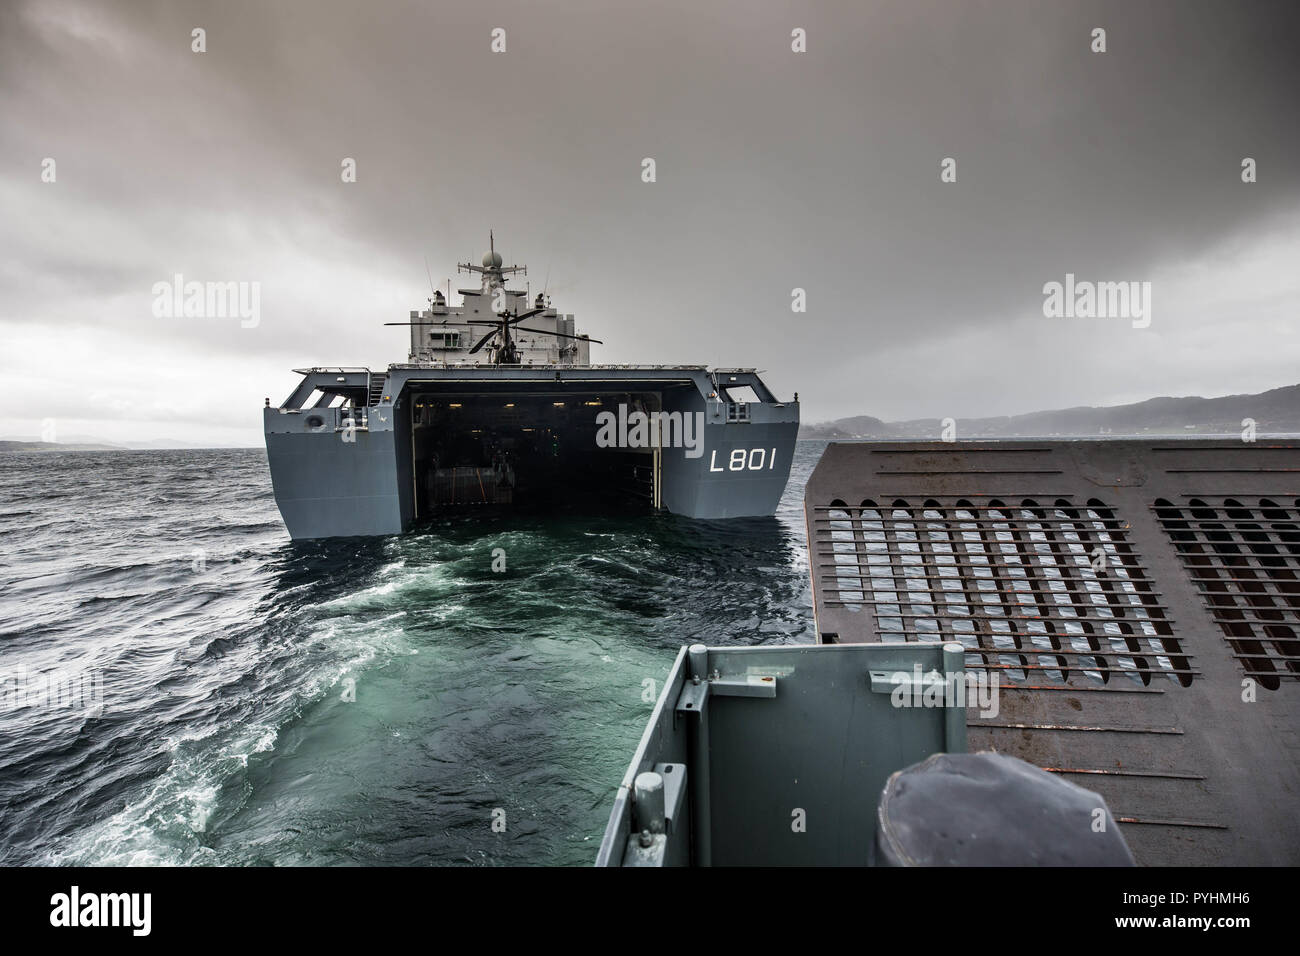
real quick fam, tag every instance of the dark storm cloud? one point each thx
(775, 170)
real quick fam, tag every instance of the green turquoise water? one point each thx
(230, 658)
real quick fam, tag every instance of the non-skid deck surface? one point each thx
(1138, 601)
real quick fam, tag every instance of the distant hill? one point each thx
(1275, 411)
(81, 443)
(10, 446)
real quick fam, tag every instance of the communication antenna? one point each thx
(432, 288)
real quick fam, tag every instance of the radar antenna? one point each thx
(433, 290)
(492, 269)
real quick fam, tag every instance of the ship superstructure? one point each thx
(473, 333)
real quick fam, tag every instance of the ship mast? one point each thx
(492, 271)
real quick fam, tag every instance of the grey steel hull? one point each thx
(340, 472)
(326, 489)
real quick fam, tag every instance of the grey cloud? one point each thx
(775, 170)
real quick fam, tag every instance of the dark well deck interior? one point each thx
(546, 435)
(1139, 600)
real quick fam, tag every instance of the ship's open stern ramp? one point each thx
(1138, 602)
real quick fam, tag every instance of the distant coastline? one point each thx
(11, 447)
(1274, 412)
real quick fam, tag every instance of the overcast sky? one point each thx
(775, 170)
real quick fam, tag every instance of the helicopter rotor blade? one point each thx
(563, 335)
(483, 341)
(512, 317)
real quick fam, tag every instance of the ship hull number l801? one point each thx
(745, 459)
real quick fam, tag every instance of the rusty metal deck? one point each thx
(1139, 602)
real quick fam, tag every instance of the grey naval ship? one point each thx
(499, 404)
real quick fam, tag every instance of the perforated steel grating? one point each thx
(1138, 602)
(1057, 584)
(1243, 555)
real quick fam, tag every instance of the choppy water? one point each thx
(204, 660)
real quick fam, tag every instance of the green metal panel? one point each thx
(787, 749)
